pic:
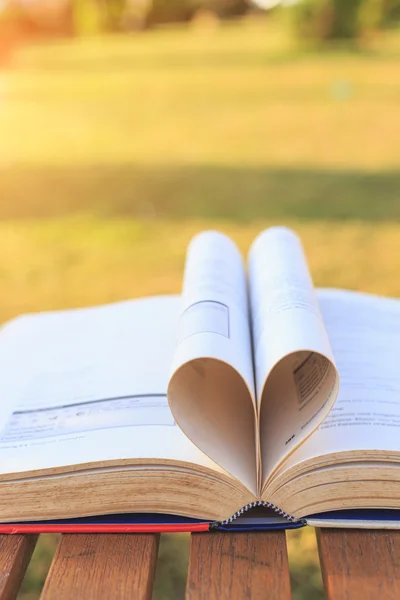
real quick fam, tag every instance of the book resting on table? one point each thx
(250, 401)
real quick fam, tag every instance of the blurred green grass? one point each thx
(232, 123)
(114, 152)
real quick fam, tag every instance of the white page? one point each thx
(214, 314)
(211, 392)
(365, 335)
(296, 378)
(90, 385)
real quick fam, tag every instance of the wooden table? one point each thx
(356, 565)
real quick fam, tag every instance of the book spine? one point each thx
(256, 504)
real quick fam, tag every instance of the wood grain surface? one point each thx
(238, 566)
(360, 564)
(103, 567)
(15, 554)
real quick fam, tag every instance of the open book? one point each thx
(186, 411)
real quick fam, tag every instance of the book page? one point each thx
(365, 335)
(211, 392)
(296, 377)
(90, 385)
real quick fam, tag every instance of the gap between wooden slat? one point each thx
(15, 554)
(304, 567)
(238, 566)
(103, 566)
(360, 564)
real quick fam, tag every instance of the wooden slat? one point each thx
(237, 566)
(360, 564)
(103, 566)
(15, 554)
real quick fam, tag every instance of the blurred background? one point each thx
(126, 126)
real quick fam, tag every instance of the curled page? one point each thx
(296, 377)
(211, 391)
(365, 334)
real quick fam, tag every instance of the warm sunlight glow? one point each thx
(2, 89)
(268, 4)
